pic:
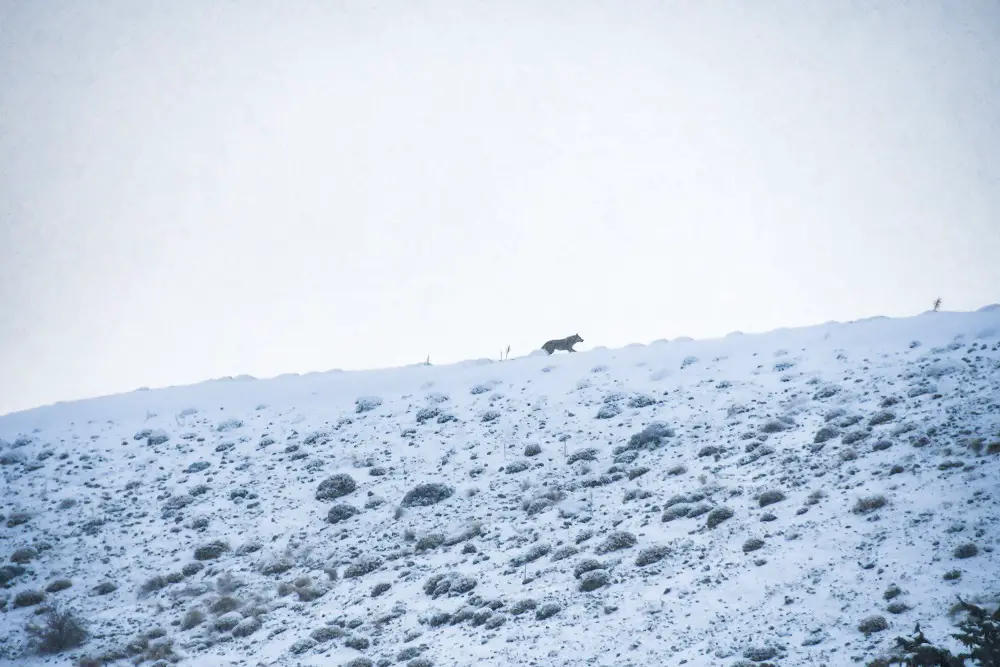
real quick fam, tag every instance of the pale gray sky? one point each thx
(194, 189)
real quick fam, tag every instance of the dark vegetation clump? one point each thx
(336, 487)
(869, 504)
(424, 495)
(58, 631)
(717, 516)
(979, 633)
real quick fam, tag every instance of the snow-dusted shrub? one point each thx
(588, 454)
(616, 542)
(24, 555)
(380, 588)
(967, 550)
(362, 567)
(28, 598)
(104, 588)
(593, 580)
(873, 624)
(547, 610)
(650, 437)
(481, 616)
(481, 388)
(470, 531)
(537, 505)
(211, 551)
(639, 471)
(157, 437)
(921, 390)
(848, 420)
(532, 554)
(305, 644)
(598, 480)
(717, 516)
(59, 631)
(366, 403)
(636, 494)
(641, 401)
(424, 495)
(752, 544)
(228, 621)
(192, 619)
(63, 584)
(897, 608)
(9, 458)
(775, 426)
(225, 604)
(326, 633)
(358, 643)
(826, 433)
(489, 415)
(852, 437)
(827, 391)
(882, 417)
(687, 498)
(247, 627)
(516, 467)
(563, 553)
(153, 584)
(316, 438)
(609, 411)
(941, 369)
(429, 542)
(869, 504)
(651, 555)
(675, 512)
(427, 413)
(449, 584)
(532, 449)
(627, 456)
(178, 502)
(834, 414)
(770, 497)
(522, 606)
(341, 512)
(760, 653)
(336, 487)
(698, 509)
(229, 425)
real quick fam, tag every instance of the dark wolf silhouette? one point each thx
(562, 344)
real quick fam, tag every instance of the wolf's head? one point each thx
(575, 338)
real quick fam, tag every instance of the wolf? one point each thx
(562, 344)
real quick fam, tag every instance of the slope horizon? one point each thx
(799, 497)
(585, 347)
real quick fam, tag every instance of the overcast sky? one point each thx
(194, 189)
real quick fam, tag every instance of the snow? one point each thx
(230, 469)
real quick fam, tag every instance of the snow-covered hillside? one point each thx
(755, 498)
